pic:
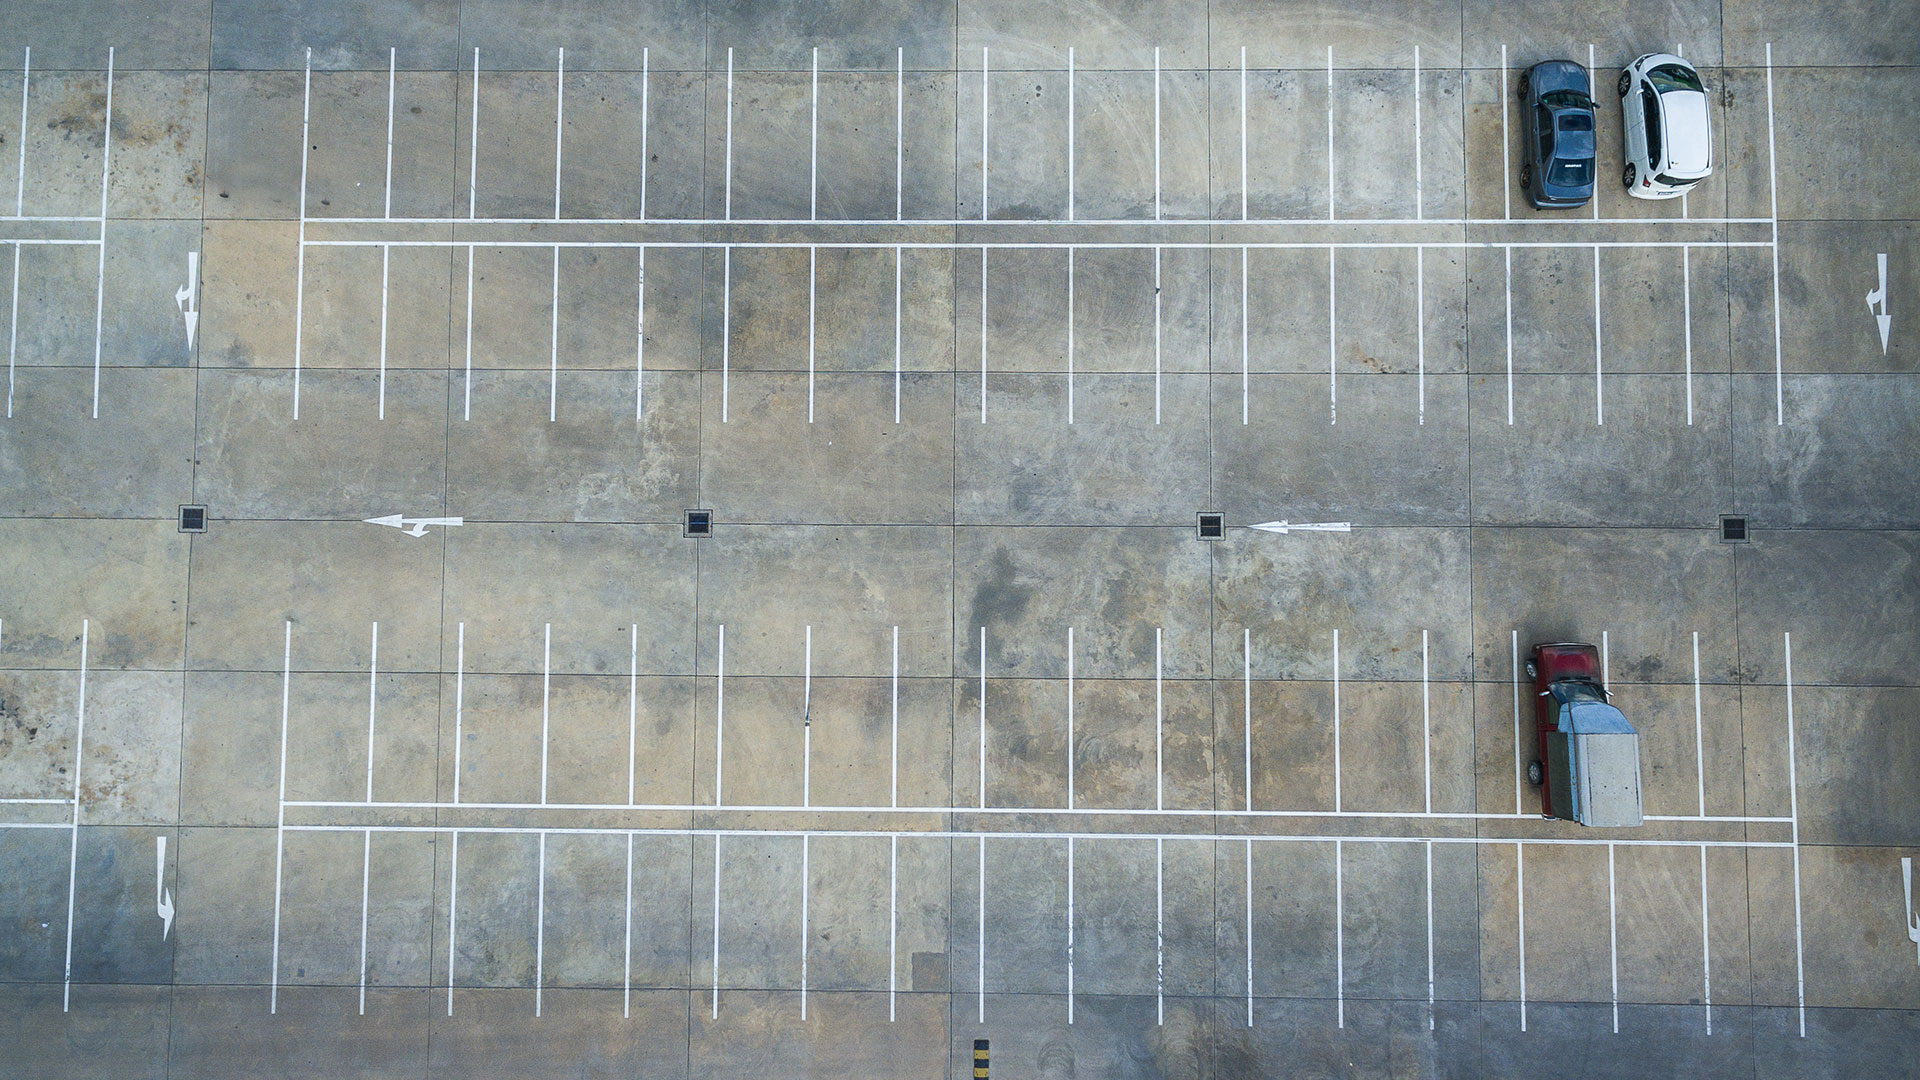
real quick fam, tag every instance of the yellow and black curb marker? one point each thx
(979, 1059)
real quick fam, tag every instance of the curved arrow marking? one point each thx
(1877, 303)
(413, 526)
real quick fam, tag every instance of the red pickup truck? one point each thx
(1589, 765)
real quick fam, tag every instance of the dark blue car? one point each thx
(1556, 167)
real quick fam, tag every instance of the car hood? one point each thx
(1689, 132)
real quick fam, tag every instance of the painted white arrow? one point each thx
(163, 897)
(187, 297)
(413, 526)
(1283, 528)
(1877, 303)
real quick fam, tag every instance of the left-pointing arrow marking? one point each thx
(413, 526)
(187, 297)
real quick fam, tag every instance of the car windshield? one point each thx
(1674, 77)
(1576, 173)
(1575, 121)
(1674, 181)
(1566, 99)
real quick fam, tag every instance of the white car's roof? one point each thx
(1689, 132)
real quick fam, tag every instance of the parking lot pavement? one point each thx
(455, 746)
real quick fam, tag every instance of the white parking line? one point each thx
(1336, 721)
(473, 151)
(1419, 201)
(1426, 722)
(900, 140)
(1520, 892)
(1686, 318)
(1070, 335)
(1793, 796)
(983, 144)
(1070, 753)
(896, 716)
(280, 829)
(726, 328)
(540, 930)
(466, 388)
(100, 284)
(1333, 350)
(1706, 945)
(300, 256)
(806, 722)
(460, 706)
(453, 914)
(893, 925)
(983, 333)
(983, 718)
(1159, 729)
(1699, 738)
(1156, 157)
(559, 125)
(1339, 924)
(1243, 145)
(366, 875)
(1519, 754)
(1249, 934)
(1599, 399)
(553, 345)
(1430, 997)
(1159, 932)
(898, 316)
(1246, 712)
(1156, 330)
(633, 712)
(1508, 252)
(1779, 375)
(546, 698)
(1506, 186)
(728, 210)
(373, 700)
(1072, 147)
(1606, 662)
(716, 874)
(806, 887)
(1613, 940)
(640, 339)
(1420, 322)
(1329, 133)
(1595, 200)
(387, 207)
(645, 79)
(1246, 362)
(626, 977)
(386, 263)
(73, 846)
(13, 326)
(1069, 930)
(813, 290)
(20, 181)
(980, 967)
(813, 176)
(719, 748)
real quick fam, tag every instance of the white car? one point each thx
(1669, 135)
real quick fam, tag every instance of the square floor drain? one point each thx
(699, 523)
(1213, 526)
(1733, 530)
(193, 519)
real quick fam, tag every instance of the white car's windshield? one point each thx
(1668, 77)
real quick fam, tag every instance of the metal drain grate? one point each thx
(1733, 530)
(193, 519)
(1213, 526)
(699, 523)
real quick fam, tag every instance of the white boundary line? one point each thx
(373, 700)
(645, 109)
(898, 317)
(460, 705)
(546, 698)
(1333, 343)
(716, 879)
(100, 285)
(13, 327)
(983, 334)
(453, 913)
(386, 262)
(983, 138)
(1426, 722)
(640, 340)
(1420, 322)
(893, 926)
(1773, 203)
(540, 931)
(896, 717)
(1613, 940)
(1053, 245)
(813, 198)
(1330, 215)
(1246, 712)
(1686, 319)
(719, 739)
(1156, 331)
(1595, 200)
(1249, 935)
(466, 389)
(626, 978)
(73, 846)
(813, 279)
(1156, 149)
(980, 969)
(366, 875)
(806, 887)
(1599, 395)
(1246, 359)
(1699, 738)
(473, 149)
(1508, 252)
(1070, 753)
(553, 345)
(1336, 721)
(20, 181)
(1430, 997)
(280, 829)
(1520, 893)
(1243, 134)
(728, 211)
(900, 137)
(1340, 928)
(1070, 342)
(1159, 729)
(1519, 753)
(1419, 200)
(1506, 156)
(633, 706)
(806, 723)
(726, 329)
(559, 125)
(1069, 931)
(300, 257)
(1793, 795)
(387, 206)
(983, 718)
(1159, 933)
(1706, 946)
(1072, 145)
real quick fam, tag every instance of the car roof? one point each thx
(1689, 148)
